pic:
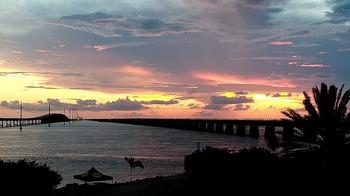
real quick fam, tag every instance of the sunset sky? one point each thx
(170, 58)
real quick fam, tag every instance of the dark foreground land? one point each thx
(209, 171)
(212, 171)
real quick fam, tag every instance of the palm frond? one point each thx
(130, 160)
(332, 97)
(342, 109)
(293, 115)
(338, 98)
(323, 102)
(310, 108)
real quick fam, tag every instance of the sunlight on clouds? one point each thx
(218, 78)
(14, 85)
(229, 94)
(151, 96)
(263, 101)
(134, 70)
(267, 105)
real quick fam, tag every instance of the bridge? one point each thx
(45, 119)
(229, 127)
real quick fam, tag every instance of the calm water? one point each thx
(74, 148)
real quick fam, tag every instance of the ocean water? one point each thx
(74, 148)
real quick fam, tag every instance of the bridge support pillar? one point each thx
(240, 130)
(287, 133)
(210, 127)
(270, 132)
(229, 129)
(201, 126)
(219, 128)
(254, 131)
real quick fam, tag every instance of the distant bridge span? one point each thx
(225, 126)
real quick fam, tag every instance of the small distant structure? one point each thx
(93, 176)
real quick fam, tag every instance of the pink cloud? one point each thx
(43, 51)
(293, 63)
(218, 78)
(281, 43)
(314, 65)
(16, 52)
(98, 48)
(135, 70)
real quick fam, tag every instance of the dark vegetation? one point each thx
(53, 118)
(325, 116)
(27, 177)
(213, 171)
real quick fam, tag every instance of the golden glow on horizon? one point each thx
(31, 88)
(263, 101)
(16, 84)
(268, 102)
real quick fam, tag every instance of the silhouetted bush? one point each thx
(213, 169)
(27, 177)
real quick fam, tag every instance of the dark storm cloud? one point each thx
(122, 104)
(90, 102)
(242, 92)
(340, 11)
(300, 33)
(84, 105)
(161, 102)
(229, 103)
(41, 73)
(253, 13)
(125, 104)
(212, 106)
(41, 87)
(230, 100)
(107, 25)
(280, 95)
(38, 106)
(241, 107)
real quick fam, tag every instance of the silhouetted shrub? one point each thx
(27, 177)
(213, 169)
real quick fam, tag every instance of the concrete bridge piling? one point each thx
(241, 130)
(254, 131)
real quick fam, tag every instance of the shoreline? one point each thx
(160, 185)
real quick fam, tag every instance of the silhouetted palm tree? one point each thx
(324, 116)
(133, 164)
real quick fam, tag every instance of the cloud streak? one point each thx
(107, 25)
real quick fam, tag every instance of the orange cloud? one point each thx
(217, 78)
(135, 70)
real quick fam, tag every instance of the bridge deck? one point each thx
(224, 126)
